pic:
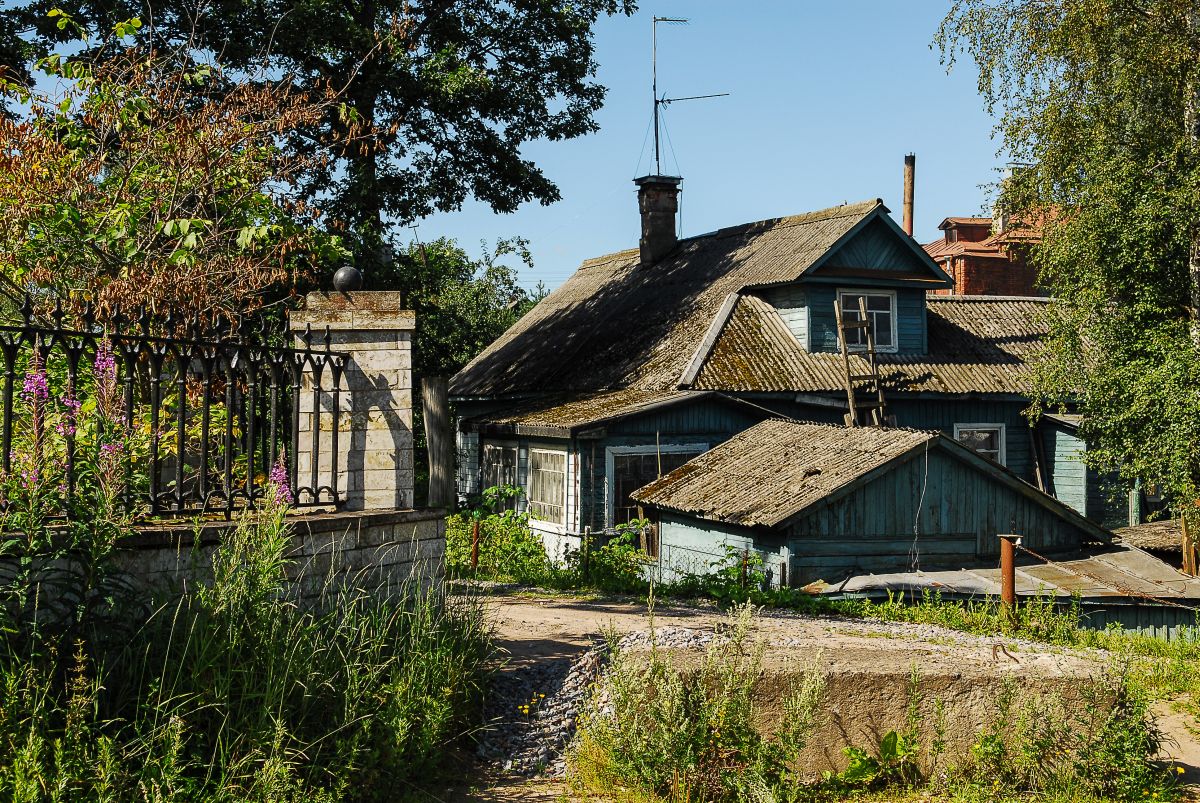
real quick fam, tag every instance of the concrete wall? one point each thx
(372, 549)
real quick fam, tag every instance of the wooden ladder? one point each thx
(871, 411)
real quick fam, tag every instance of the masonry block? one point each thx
(373, 418)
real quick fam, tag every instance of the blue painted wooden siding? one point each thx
(956, 511)
(703, 422)
(877, 247)
(791, 303)
(910, 318)
(1066, 471)
(694, 546)
(943, 414)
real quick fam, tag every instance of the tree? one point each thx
(441, 95)
(141, 176)
(1099, 99)
(461, 304)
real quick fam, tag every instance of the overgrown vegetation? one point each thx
(664, 730)
(269, 682)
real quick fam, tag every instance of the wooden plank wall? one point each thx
(957, 517)
(943, 414)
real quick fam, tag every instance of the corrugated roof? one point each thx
(977, 344)
(566, 412)
(1100, 572)
(617, 324)
(770, 472)
(1160, 535)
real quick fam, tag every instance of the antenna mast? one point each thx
(654, 82)
(664, 100)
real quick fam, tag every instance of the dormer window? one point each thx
(881, 310)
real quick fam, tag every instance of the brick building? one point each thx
(986, 257)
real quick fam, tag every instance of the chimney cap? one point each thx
(644, 180)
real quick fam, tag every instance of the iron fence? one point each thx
(217, 406)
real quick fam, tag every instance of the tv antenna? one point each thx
(664, 100)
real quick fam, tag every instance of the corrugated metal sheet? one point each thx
(559, 415)
(1114, 572)
(773, 470)
(977, 344)
(616, 323)
(1160, 535)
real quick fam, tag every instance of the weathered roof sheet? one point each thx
(1100, 572)
(773, 470)
(559, 415)
(1163, 535)
(977, 344)
(617, 324)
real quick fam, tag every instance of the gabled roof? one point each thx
(566, 415)
(618, 324)
(779, 469)
(977, 344)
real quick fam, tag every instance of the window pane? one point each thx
(547, 485)
(881, 327)
(983, 440)
(632, 471)
(879, 303)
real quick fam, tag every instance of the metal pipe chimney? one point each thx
(910, 172)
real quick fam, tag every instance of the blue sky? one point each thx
(826, 98)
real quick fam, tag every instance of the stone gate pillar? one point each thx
(375, 441)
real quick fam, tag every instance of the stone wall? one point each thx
(375, 550)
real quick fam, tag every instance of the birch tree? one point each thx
(1099, 100)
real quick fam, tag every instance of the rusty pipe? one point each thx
(910, 174)
(1008, 569)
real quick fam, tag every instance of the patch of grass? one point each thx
(242, 690)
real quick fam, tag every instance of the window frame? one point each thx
(513, 504)
(894, 308)
(1002, 456)
(610, 462)
(566, 471)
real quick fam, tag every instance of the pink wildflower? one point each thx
(279, 484)
(36, 389)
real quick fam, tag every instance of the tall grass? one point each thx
(242, 689)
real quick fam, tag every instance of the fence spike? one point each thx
(27, 309)
(328, 338)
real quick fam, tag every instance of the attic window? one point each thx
(881, 310)
(984, 439)
(951, 235)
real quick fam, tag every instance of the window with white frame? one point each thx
(984, 439)
(881, 313)
(499, 467)
(633, 469)
(547, 485)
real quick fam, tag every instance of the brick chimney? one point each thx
(658, 201)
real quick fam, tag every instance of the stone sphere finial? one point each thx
(347, 279)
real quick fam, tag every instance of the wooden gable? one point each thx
(877, 251)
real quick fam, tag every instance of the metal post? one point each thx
(1008, 569)
(475, 545)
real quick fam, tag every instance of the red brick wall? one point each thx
(991, 276)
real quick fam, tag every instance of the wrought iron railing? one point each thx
(218, 409)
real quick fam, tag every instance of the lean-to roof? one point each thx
(617, 324)
(768, 473)
(977, 344)
(779, 468)
(562, 415)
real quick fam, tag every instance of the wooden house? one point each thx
(827, 502)
(646, 358)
